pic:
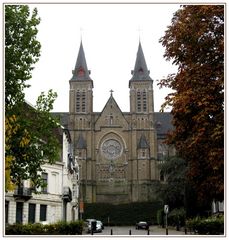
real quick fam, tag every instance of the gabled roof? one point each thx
(143, 144)
(140, 71)
(81, 71)
(81, 143)
(111, 102)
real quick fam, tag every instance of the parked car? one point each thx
(142, 225)
(99, 222)
(90, 222)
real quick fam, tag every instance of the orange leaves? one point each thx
(195, 42)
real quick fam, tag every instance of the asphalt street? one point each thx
(130, 230)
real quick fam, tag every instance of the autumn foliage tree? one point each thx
(195, 43)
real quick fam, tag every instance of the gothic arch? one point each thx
(116, 135)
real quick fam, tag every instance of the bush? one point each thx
(207, 226)
(177, 217)
(60, 228)
(160, 217)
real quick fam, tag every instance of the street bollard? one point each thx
(130, 232)
(166, 231)
(111, 231)
(148, 232)
(185, 230)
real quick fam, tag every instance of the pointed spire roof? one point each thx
(81, 143)
(143, 144)
(140, 71)
(81, 71)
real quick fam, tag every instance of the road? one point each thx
(130, 230)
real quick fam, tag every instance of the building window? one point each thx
(6, 211)
(44, 188)
(77, 101)
(144, 100)
(43, 212)
(143, 154)
(19, 212)
(81, 101)
(32, 211)
(139, 101)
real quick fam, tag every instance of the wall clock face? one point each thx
(111, 149)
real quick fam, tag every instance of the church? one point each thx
(118, 152)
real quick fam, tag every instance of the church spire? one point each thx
(81, 71)
(140, 71)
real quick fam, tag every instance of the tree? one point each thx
(35, 142)
(30, 139)
(195, 43)
(176, 190)
(172, 190)
(22, 51)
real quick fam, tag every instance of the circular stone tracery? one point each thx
(111, 149)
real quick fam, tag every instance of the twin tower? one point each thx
(117, 151)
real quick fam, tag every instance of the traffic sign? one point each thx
(166, 209)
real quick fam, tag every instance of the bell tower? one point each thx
(143, 140)
(81, 122)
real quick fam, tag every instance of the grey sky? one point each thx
(110, 35)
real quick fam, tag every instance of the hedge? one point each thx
(60, 228)
(123, 214)
(207, 226)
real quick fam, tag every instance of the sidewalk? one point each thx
(156, 230)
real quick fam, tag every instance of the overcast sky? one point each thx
(110, 35)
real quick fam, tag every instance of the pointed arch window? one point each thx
(144, 100)
(139, 105)
(81, 101)
(141, 100)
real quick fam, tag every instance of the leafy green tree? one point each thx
(195, 43)
(176, 190)
(30, 133)
(35, 142)
(172, 189)
(22, 51)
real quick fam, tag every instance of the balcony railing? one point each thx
(67, 194)
(23, 193)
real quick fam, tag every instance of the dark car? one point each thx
(142, 225)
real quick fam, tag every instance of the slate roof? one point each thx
(62, 117)
(140, 71)
(163, 122)
(81, 71)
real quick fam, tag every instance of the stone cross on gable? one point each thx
(111, 91)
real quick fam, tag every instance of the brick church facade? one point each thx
(118, 152)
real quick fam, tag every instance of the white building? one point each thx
(58, 201)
